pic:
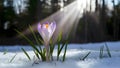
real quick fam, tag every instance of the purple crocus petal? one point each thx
(46, 30)
(41, 31)
(52, 27)
(39, 28)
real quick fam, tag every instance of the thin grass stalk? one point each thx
(86, 56)
(30, 42)
(58, 49)
(26, 53)
(13, 58)
(35, 37)
(101, 51)
(64, 55)
(36, 53)
(108, 51)
(5, 51)
(51, 50)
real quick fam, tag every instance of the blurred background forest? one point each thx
(102, 24)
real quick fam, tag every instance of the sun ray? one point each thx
(65, 19)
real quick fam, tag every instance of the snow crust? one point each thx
(74, 53)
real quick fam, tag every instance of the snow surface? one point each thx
(74, 53)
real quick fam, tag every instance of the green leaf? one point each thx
(30, 28)
(61, 47)
(30, 42)
(52, 46)
(108, 50)
(26, 54)
(58, 43)
(40, 45)
(5, 51)
(101, 52)
(36, 53)
(44, 54)
(64, 56)
(25, 37)
(35, 37)
(58, 51)
(86, 56)
(13, 58)
(59, 37)
(41, 40)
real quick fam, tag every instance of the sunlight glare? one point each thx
(85, 5)
(81, 4)
(66, 18)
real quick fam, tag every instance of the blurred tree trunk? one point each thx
(40, 6)
(115, 23)
(103, 21)
(90, 5)
(96, 5)
(86, 28)
(1, 14)
(55, 5)
(32, 10)
(38, 10)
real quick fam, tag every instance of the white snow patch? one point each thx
(74, 53)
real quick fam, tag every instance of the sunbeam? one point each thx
(88, 5)
(66, 19)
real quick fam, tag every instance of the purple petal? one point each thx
(53, 26)
(46, 33)
(43, 25)
(39, 27)
(46, 22)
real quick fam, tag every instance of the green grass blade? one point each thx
(108, 50)
(52, 46)
(5, 51)
(58, 43)
(30, 42)
(13, 58)
(35, 37)
(101, 52)
(44, 54)
(25, 37)
(61, 47)
(59, 37)
(64, 55)
(40, 40)
(40, 45)
(26, 54)
(86, 56)
(58, 50)
(36, 49)
(37, 55)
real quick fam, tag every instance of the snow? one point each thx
(74, 53)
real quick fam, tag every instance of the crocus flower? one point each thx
(46, 30)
